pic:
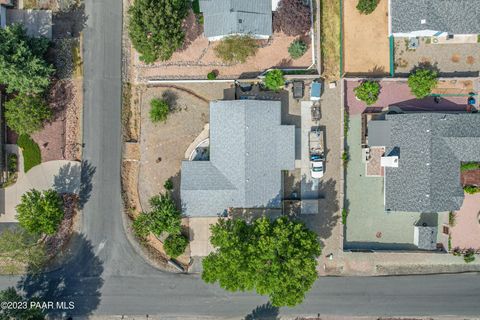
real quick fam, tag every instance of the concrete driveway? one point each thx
(61, 175)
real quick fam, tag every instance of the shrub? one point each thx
(12, 163)
(175, 245)
(466, 166)
(26, 114)
(345, 158)
(159, 110)
(297, 49)
(236, 48)
(292, 17)
(40, 212)
(346, 122)
(212, 75)
(274, 79)
(469, 256)
(368, 92)
(367, 6)
(163, 217)
(451, 219)
(471, 189)
(344, 216)
(155, 27)
(141, 226)
(422, 81)
(168, 185)
(30, 150)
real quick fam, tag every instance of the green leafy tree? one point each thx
(26, 114)
(155, 27)
(297, 49)
(17, 246)
(236, 48)
(40, 212)
(175, 245)
(23, 67)
(163, 217)
(11, 295)
(159, 110)
(276, 258)
(422, 81)
(274, 79)
(168, 185)
(367, 6)
(368, 92)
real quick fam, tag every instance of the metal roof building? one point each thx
(249, 147)
(227, 17)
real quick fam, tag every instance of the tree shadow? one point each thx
(67, 180)
(61, 95)
(75, 282)
(192, 28)
(86, 186)
(75, 179)
(69, 23)
(171, 97)
(264, 312)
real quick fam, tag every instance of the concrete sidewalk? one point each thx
(61, 175)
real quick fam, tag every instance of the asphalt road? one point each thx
(108, 277)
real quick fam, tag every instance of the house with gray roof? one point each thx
(423, 154)
(413, 18)
(249, 148)
(237, 17)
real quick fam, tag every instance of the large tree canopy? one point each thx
(40, 212)
(26, 114)
(23, 67)
(276, 258)
(155, 27)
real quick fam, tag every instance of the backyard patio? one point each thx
(396, 92)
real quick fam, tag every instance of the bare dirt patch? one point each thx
(366, 44)
(199, 58)
(455, 58)
(163, 145)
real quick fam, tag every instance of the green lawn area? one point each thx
(30, 150)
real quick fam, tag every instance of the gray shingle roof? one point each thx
(431, 147)
(248, 149)
(224, 17)
(452, 16)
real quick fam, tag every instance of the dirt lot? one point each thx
(199, 58)
(366, 45)
(163, 145)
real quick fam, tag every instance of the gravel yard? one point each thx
(199, 58)
(163, 145)
(449, 59)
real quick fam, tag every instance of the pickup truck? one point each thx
(316, 153)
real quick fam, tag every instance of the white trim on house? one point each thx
(256, 36)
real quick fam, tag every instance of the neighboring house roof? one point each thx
(452, 16)
(379, 133)
(38, 23)
(430, 147)
(248, 150)
(224, 17)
